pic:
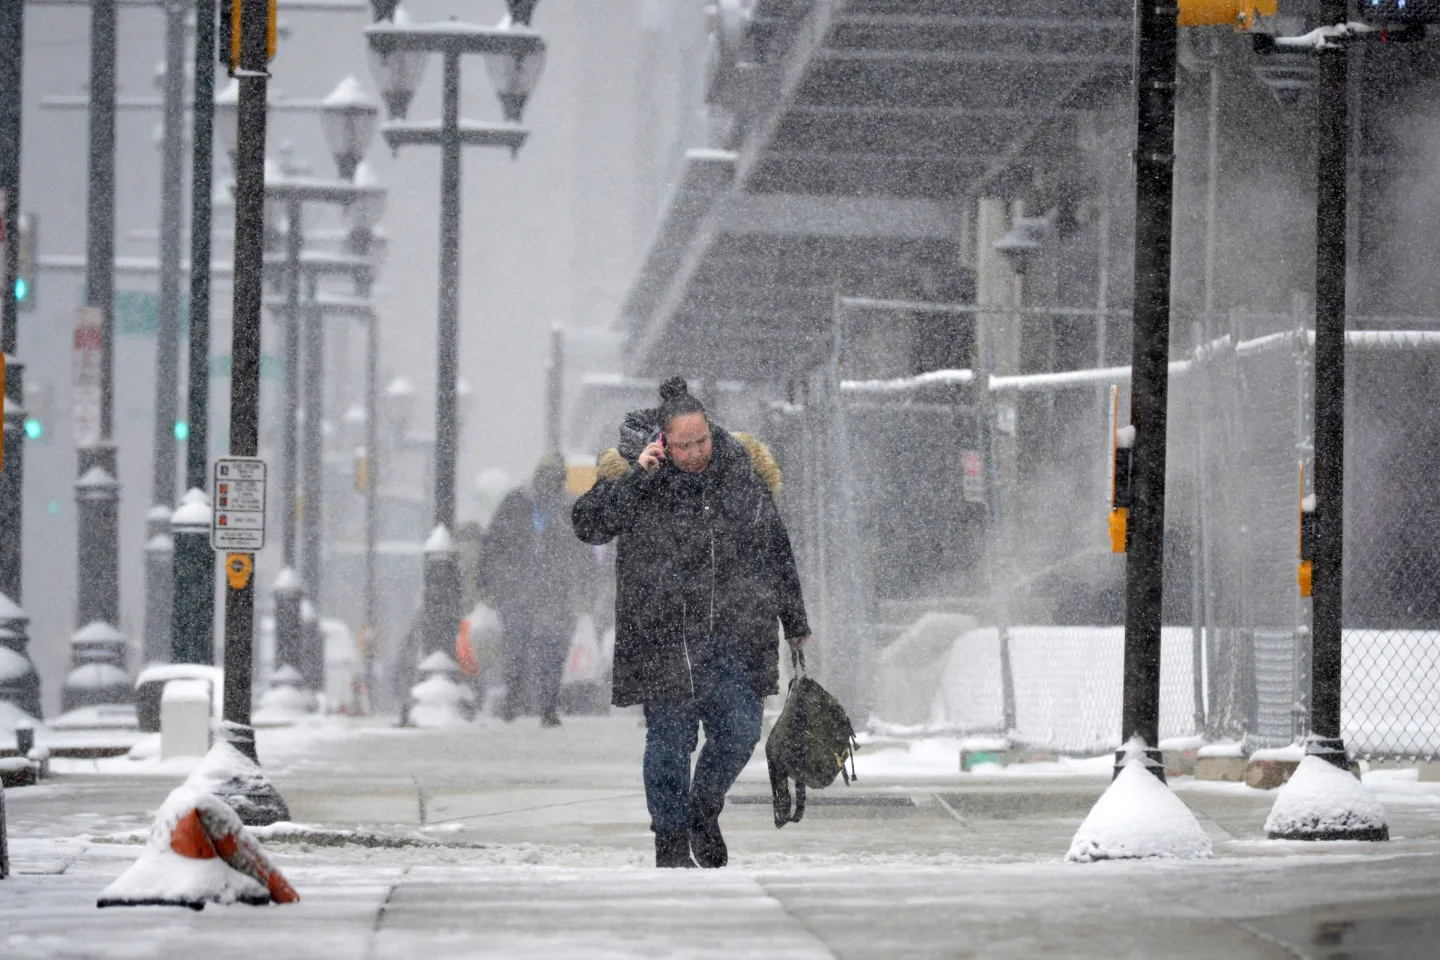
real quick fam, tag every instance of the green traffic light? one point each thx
(21, 288)
(182, 430)
(34, 429)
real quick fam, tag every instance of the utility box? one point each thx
(185, 719)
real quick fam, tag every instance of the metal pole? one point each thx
(172, 183)
(245, 342)
(448, 332)
(99, 495)
(555, 389)
(290, 448)
(372, 481)
(442, 585)
(159, 546)
(12, 51)
(1201, 625)
(1332, 144)
(312, 666)
(361, 241)
(194, 613)
(1155, 62)
(1198, 548)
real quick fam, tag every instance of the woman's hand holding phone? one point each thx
(651, 456)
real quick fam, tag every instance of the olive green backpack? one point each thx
(809, 744)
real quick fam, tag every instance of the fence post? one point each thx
(1198, 544)
(997, 566)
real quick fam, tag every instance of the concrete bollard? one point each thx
(185, 719)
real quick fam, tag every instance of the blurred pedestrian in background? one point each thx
(536, 575)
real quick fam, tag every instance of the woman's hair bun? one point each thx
(674, 387)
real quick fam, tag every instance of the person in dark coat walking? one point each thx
(705, 579)
(532, 571)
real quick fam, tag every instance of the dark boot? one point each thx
(672, 850)
(706, 841)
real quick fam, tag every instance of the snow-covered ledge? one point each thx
(1138, 817)
(1322, 801)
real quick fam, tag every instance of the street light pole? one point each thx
(442, 573)
(312, 664)
(159, 560)
(12, 58)
(289, 629)
(97, 491)
(514, 59)
(193, 617)
(372, 474)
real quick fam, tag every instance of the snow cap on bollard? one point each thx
(1138, 817)
(1322, 801)
(228, 773)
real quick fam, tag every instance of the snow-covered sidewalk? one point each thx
(511, 841)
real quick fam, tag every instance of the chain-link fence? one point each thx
(910, 503)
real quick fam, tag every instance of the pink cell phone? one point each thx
(663, 448)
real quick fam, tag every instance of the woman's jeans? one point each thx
(731, 712)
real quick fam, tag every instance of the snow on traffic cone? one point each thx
(189, 839)
(199, 852)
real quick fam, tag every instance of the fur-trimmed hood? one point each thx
(612, 465)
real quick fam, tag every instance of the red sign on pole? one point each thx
(972, 486)
(85, 391)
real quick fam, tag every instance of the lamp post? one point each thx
(192, 620)
(515, 57)
(294, 193)
(22, 689)
(363, 218)
(97, 491)
(159, 549)
(347, 119)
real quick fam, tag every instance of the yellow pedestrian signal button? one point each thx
(237, 569)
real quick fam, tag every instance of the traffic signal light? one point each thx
(229, 33)
(1240, 14)
(27, 237)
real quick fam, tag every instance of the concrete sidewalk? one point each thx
(511, 841)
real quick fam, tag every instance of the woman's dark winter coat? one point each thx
(704, 569)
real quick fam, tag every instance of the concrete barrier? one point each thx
(1221, 761)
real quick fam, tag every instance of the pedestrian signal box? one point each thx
(229, 45)
(1240, 14)
(1122, 443)
(1306, 575)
